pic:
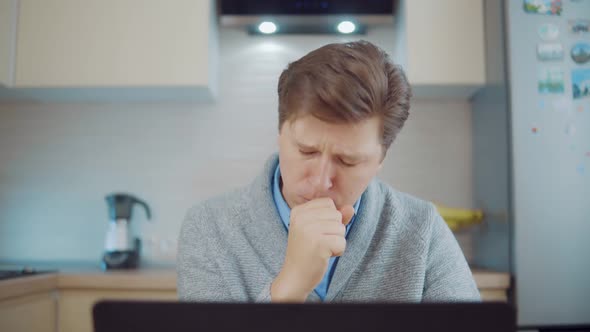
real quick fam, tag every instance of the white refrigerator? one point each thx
(531, 128)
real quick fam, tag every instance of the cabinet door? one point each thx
(8, 12)
(35, 312)
(442, 42)
(493, 295)
(75, 306)
(113, 43)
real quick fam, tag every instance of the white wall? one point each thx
(58, 161)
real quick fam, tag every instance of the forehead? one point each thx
(308, 130)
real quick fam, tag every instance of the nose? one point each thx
(321, 176)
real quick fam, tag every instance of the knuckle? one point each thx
(339, 245)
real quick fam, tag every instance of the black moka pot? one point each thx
(122, 249)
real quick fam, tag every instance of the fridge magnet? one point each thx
(548, 31)
(570, 129)
(541, 104)
(588, 154)
(549, 51)
(580, 169)
(579, 26)
(580, 53)
(580, 108)
(550, 80)
(581, 83)
(534, 129)
(543, 7)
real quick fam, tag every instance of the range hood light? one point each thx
(346, 27)
(267, 27)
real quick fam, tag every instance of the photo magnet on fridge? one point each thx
(549, 51)
(550, 80)
(543, 7)
(548, 31)
(579, 26)
(580, 53)
(581, 83)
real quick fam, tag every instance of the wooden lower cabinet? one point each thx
(29, 313)
(75, 306)
(493, 295)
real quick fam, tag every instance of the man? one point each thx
(316, 225)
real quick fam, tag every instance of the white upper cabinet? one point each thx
(105, 46)
(8, 14)
(441, 45)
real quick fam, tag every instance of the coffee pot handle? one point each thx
(145, 206)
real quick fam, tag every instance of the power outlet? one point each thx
(158, 248)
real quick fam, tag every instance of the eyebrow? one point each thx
(350, 157)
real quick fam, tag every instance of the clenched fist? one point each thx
(316, 233)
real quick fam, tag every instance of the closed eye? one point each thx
(346, 164)
(306, 153)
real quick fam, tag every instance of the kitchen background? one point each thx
(59, 160)
(496, 125)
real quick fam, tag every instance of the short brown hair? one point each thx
(346, 83)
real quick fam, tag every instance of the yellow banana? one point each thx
(459, 218)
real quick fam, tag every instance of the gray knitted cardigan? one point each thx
(399, 249)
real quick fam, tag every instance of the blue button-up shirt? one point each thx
(285, 214)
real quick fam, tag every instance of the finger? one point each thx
(320, 202)
(319, 215)
(335, 244)
(347, 213)
(329, 228)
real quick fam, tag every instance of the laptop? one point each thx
(152, 316)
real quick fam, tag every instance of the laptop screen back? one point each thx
(115, 316)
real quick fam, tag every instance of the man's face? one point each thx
(321, 159)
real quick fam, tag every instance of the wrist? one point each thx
(285, 289)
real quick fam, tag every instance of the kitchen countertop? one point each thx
(142, 279)
(27, 285)
(153, 279)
